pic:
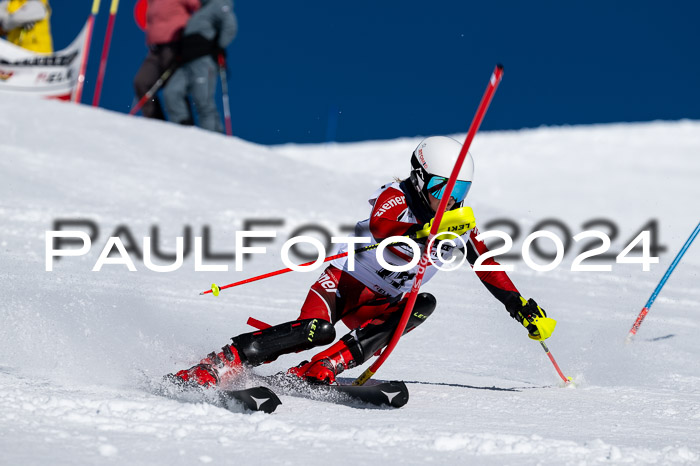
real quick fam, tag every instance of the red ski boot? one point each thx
(213, 370)
(325, 366)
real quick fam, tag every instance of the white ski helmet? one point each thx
(433, 161)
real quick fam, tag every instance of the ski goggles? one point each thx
(437, 184)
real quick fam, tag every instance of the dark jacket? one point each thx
(210, 30)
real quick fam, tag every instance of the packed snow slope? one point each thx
(78, 348)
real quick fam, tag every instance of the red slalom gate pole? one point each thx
(88, 39)
(105, 53)
(424, 262)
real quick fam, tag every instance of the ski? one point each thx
(254, 399)
(251, 399)
(392, 394)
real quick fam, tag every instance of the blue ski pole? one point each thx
(647, 306)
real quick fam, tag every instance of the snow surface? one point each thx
(78, 348)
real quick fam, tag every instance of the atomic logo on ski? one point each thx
(390, 396)
(259, 401)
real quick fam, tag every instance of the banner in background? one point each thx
(47, 75)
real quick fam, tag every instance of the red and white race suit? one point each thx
(391, 216)
(370, 290)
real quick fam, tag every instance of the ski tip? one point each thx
(500, 66)
(397, 400)
(254, 399)
(268, 401)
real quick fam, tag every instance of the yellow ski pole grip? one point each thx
(464, 216)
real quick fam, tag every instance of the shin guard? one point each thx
(266, 345)
(366, 341)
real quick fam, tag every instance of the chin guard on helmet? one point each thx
(417, 177)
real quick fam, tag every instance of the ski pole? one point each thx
(421, 234)
(152, 91)
(556, 366)
(424, 262)
(216, 289)
(224, 93)
(86, 51)
(671, 268)
(105, 53)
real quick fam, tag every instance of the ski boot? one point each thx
(323, 367)
(255, 348)
(212, 370)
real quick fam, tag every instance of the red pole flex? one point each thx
(424, 262)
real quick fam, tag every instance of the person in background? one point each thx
(207, 34)
(165, 21)
(26, 23)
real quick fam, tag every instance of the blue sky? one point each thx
(316, 70)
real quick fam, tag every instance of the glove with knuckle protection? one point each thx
(458, 221)
(533, 318)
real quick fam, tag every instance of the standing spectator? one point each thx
(26, 23)
(210, 30)
(165, 21)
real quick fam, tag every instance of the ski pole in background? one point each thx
(105, 52)
(224, 93)
(152, 91)
(566, 379)
(86, 51)
(647, 306)
(495, 79)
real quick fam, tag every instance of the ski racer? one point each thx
(370, 299)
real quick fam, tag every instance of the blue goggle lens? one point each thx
(437, 184)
